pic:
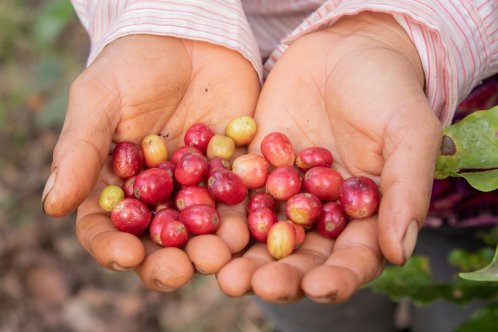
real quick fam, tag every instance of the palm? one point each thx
(148, 86)
(141, 85)
(358, 101)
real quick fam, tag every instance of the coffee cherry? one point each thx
(278, 150)
(110, 196)
(198, 136)
(312, 157)
(220, 146)
(281, 240)
(253, 169)
(153, 186)
(155, 150)
(242, 130)
(332, 221)
(200, 219)
(283, 183)
(359, 196)
(127, 159)
(324, 182)
(131, 216)
(303, 208)
(227, 187)
(259, 222)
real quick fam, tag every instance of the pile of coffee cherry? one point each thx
(174, 197)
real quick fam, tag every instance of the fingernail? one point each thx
(410, 239)
(116, 267)
(161, 286)
(48, 186)
(332, 298)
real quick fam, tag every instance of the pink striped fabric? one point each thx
(221, 22)
(457, 39)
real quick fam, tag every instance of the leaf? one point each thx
(414, 281)
(401, 282)
(469, 261)
(483, 320)
(488, 273)
(471, 143)
(51, 20)
(489, 236)
(483, 181)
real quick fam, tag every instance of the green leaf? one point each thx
(472, 143)
(414, 281)
(489, 236)
(400, 282)
(483, 181)
(51, 20)
(488, 273)
(470, 261)
(483, 320)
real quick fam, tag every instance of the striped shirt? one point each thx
(457, 39)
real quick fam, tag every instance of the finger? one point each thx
(208, 253)
(207, 101)
(235, 277)
(82, 146)
(111, 248)
(355, 260)
(165, 269)
(280, 281)
(233, 229)
(97, 234)
(161, 270)
(410, 150)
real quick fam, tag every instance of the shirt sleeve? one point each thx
(220, 22)
(457, 41)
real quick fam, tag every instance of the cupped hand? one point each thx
(140, 85)
(356, 88)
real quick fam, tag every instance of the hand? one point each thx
(357, 89)
(137, 86)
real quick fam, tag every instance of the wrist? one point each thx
(377, 30)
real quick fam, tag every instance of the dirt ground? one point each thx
(47, 281)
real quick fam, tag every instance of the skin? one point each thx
(137, 86)
(363, 99)
(356, 88)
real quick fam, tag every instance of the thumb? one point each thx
(82, 147)
(411, 146)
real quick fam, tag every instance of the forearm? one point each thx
(456, 41)
(219, 22)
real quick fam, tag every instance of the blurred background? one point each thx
(47, 281)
